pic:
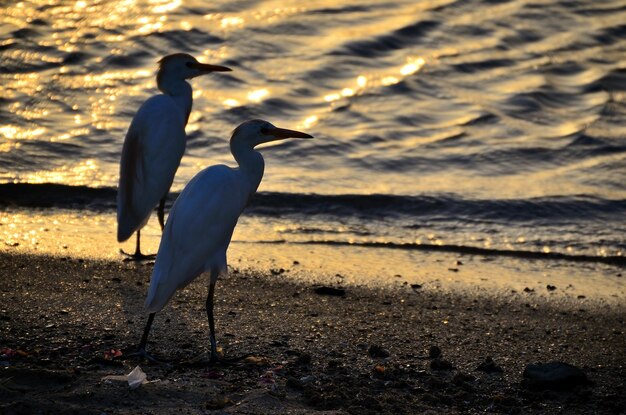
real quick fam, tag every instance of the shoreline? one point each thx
(369, 351)
(74, 234)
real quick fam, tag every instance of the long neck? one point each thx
(250, 162)
(179, 90)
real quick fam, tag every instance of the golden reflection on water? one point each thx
(376, 79)
(13, 132)
(258, 95)
(165, 6)
(83, 173)
(255, 96)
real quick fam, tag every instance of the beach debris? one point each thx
(267, 378)
(277, 271)
(377, 351)
(379, 370)
(528, 290)
(489, 366)
(307, 379)
(257, 360)
(135, 378)
(550, 287)
(325, 290)
(7, 353)
(453, 269)
(554, 376)
(434, 352)
(112, 354)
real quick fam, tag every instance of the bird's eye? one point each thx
(189, 64)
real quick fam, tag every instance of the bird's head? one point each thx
(184, 66)
(255, 132)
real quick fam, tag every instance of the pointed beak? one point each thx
(207, 68)
(281, 133)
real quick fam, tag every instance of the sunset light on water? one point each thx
(439, 213)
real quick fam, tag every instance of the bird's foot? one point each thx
(137, 256)
(141, 354)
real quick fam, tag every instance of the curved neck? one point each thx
(251, 162)
(178, 89)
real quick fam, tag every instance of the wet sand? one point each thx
(294, 349)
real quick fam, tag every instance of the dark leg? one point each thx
(161, 213)
(209, 313)
(138, 245)
(141, 349)
(146, 331)
(137, 256)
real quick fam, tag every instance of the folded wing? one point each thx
(152, 151)
(197, 233)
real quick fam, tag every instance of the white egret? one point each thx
(201, 222)
(154, 145)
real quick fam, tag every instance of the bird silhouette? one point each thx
(154, 146)
(203, 218)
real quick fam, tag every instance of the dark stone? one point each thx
(304, 359)
(554, 376)
(461, 378)
(489, 366)
(294, 383)
(434, 352)
(377, 351)
(441, 364)
(324, 290)
(550, 287)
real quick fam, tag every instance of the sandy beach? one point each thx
(293, 348)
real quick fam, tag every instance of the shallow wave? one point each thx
(364, 206)
(382, 45)
(473, 250)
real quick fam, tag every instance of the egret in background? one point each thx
(203, 218)
(154, 145)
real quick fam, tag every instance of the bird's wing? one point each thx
(198, 231)
(152, 150)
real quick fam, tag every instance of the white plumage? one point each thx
(155, 144)
(198, 231)
(203, 218)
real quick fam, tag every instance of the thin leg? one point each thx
(146, 331)
(161, 213)
(137, 256)
(138, 245)
(209, 313)
(141, 349)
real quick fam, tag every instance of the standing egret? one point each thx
(154, 145)
(201, 222)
